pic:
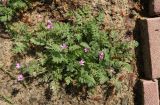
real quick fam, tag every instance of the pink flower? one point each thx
(86, 49)
(20, 77)
(101, 55)
(18, 65)
(49, 24)
(64, 46)
(81, 62)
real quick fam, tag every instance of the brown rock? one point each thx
(150, 92)
(150, 33)
(154, 7)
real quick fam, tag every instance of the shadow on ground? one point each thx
(140, 65)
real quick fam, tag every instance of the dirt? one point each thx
(119, 15)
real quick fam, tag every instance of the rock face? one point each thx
(154, 7)
(150, 34)
(150, 92)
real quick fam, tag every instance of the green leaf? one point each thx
(19, 5)
(53, 46)
(127, 67)
(19, 47)
(37, 41)
(100, 17)
(74, 47)
(58, 58)
(84, 44)
(68, 80)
